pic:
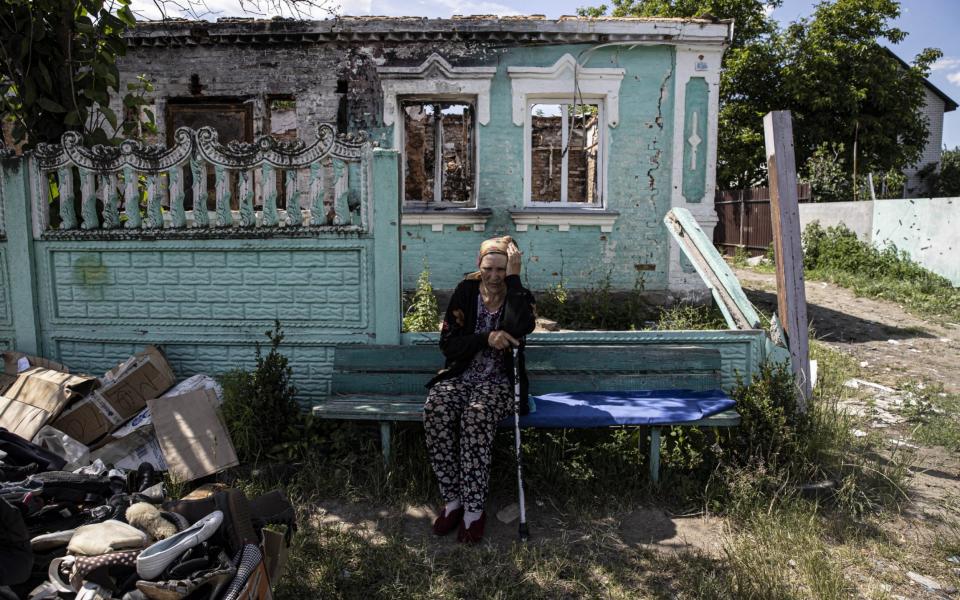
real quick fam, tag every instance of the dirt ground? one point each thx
(894, 344)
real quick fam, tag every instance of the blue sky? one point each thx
(930, 23)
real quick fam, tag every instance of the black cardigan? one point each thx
(460, 344)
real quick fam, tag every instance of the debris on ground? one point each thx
(82, 460)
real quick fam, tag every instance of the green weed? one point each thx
(836, 254)
(423, 313)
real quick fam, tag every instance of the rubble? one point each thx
(77, 451)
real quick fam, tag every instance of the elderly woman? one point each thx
(489, 313)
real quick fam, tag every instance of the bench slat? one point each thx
(427, 359)
(540, 383)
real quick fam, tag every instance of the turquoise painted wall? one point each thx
(6, 311)
(205, 301)
(638, 166)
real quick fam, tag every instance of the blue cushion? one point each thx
(605, 409)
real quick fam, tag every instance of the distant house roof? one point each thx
(515, 29)
(949, 104)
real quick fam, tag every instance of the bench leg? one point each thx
(385, 442)
(655, 454)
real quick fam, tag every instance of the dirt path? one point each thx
(894, 344)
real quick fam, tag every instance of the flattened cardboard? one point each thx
(124, 394)
(127, 387)
(37, 396)
(193, 438)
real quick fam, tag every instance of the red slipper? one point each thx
(445, 523)
(474, 533)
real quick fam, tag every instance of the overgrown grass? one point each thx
(934, 414)
(781, 541)
(836, 254)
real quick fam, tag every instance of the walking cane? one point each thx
(523, 532)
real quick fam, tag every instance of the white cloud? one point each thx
(954, 78)
(214, 9)
(947, 62)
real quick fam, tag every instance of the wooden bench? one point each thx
(386, 383)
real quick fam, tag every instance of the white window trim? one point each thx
(564, 170)
(437, 219)
(566, 82)
(437, 79)
(605, 220)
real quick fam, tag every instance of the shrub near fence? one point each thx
(111, 248)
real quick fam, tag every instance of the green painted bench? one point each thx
(386, 383)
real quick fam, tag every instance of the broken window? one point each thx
(565, 153)
(439, 151)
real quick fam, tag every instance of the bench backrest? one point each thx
(551, 368)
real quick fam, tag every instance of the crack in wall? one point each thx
(655, 159)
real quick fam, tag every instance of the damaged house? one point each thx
(574, 135)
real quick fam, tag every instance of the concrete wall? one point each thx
(926, 228)
(857, 216)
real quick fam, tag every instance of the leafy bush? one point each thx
(423, 314)
(259, 406)
(596, 307)
(825, 173)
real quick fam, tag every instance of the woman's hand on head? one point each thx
(514, 257)
(501, 340)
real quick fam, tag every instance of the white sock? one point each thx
(469, 517)
(451, 506)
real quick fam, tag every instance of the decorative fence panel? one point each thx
(201, 247)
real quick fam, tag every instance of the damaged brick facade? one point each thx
(360, 73)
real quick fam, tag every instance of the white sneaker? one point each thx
(156, 558)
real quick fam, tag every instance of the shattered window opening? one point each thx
(444, 129)
(565, 141)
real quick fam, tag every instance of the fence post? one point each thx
(785, 213)
(386, 245)
(16, 197)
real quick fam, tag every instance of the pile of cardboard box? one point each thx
(134, 413)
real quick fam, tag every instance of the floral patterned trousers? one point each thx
(460, 420)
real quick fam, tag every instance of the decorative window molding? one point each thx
(560, 80)
(476, 219)
(563, 219)
(435, 77)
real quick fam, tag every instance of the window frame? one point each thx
(564, 102)
(400, 124)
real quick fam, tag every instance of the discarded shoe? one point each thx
(445, 523)
(155, 559)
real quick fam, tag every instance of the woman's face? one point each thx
(493, 270)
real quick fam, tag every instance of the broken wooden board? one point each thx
(736, 308)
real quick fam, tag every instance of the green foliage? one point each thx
(944, 182)
(423, 314)
(934, 413)
(836, 254)
(831, 70)
(683, 316)
(260, 407)
(58, 68)
(596, 307)
(825, 173)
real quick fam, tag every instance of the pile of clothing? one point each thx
(100, 532)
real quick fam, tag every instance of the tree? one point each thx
(59, 65)
(830, 70)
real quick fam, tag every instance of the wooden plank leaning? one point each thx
(785, 213)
